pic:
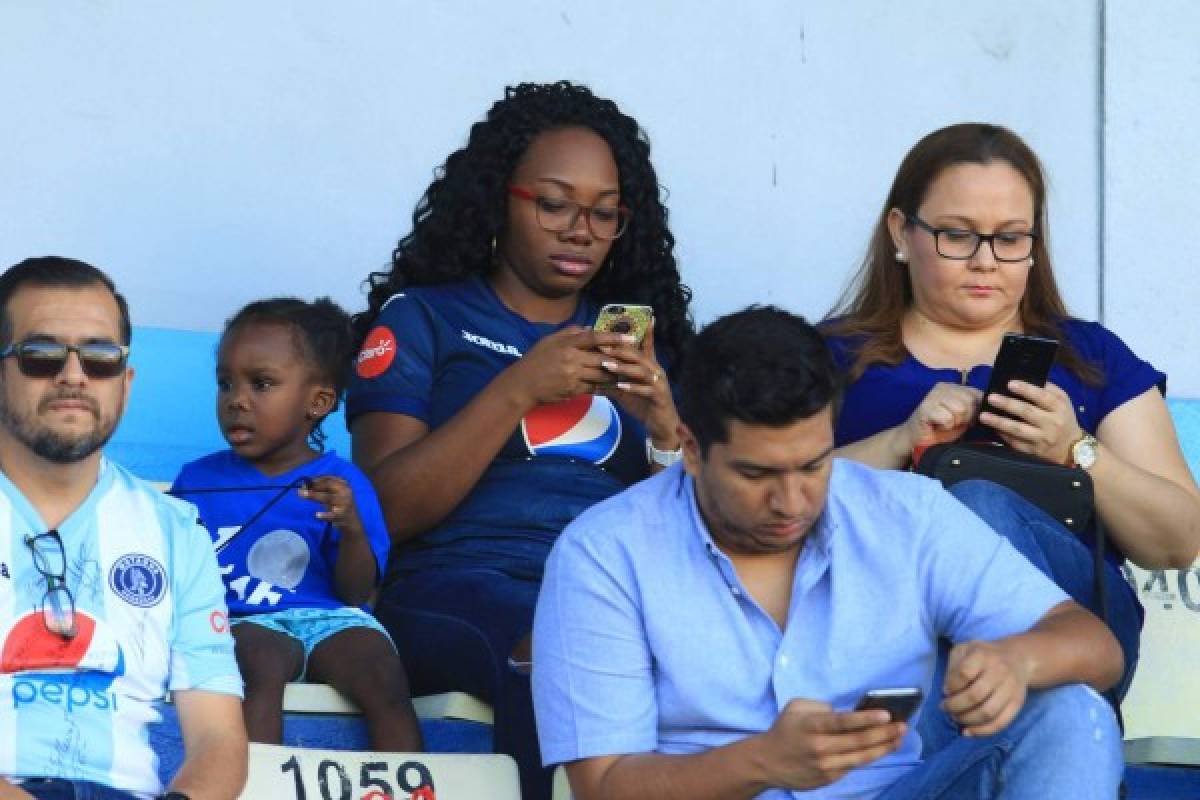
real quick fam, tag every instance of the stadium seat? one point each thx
(317, 698)
(362, 775)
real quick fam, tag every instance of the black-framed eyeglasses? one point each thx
(50, 559)
(560, 216)
(961, 244)
(42, 358)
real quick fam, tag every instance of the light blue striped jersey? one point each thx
(150, 615)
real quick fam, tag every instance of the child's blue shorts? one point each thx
(311, 626)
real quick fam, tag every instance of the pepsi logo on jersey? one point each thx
(586, 427)
(72, 691)
(28, 645)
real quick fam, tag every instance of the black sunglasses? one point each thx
(58, 606)
(37, 358)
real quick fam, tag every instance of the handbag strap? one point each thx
(1100, 590)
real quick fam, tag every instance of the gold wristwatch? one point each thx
(1083, 452)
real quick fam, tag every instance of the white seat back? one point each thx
(297, 773)
(317, 698)
(1161, 723)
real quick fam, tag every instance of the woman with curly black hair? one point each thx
(485, 407)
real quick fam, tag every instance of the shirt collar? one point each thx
(818, 543)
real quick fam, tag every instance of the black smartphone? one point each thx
(1021, 358)
(900, 702)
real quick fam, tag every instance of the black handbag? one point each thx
(1064, 493)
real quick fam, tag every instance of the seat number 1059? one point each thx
(413, 781)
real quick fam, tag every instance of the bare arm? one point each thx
(421, 475)
(214, 739)
(1147, 498)
(808, 746)
(1067, 645)
(1145, 493)
(986, 682)
(942, 416)
(355, 573)
(888, 449)
(10, 792)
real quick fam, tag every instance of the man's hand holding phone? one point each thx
(901, 703)
(811, 745)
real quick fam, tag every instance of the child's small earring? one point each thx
(309, 415)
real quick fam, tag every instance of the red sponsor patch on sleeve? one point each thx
(218, 621)
(377, 353)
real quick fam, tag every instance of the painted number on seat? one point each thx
(413, 780)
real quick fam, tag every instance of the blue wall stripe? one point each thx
(171, 418)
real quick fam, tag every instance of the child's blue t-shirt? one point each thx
(431, 351)
(287, 557)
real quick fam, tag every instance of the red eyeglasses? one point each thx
(559, 216)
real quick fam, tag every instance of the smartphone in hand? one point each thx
(1021, 358)
(900, 702)
(629, 319)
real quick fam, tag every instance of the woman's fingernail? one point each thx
(628, 338)
(611, 366)
(623, 386)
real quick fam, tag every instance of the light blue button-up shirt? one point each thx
(646, 640)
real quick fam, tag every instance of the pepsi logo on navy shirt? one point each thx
(434, 348)
(586, 427)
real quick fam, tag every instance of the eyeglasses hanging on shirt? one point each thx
(58, 605)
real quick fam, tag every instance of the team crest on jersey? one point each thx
(587, 427)
(138, 580)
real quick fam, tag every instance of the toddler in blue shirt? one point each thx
(299, 533)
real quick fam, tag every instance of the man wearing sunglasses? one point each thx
(109, 592)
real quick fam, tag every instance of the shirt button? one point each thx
(735, 591)
(783, 661)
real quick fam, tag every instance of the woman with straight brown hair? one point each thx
(959, 258)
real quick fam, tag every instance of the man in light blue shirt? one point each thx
(707, 633)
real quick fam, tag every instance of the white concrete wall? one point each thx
(1152, 190)
(208, 154)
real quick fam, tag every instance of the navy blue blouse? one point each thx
(885, 396)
